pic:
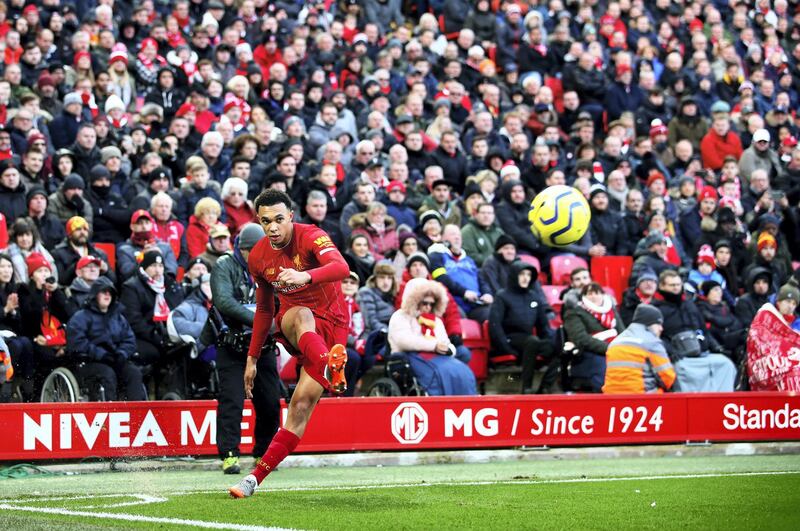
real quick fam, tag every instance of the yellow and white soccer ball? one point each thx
(559, 216)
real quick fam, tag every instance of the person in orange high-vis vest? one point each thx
(636, 360)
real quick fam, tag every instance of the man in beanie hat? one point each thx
(109, 209)
(68, 201)
(640, 293)
(655, 258)
(75, 246)
(301, 265)
(636, 361)
(219, 244)
(497, 266)
(720, 320)
(480, 233)
(690, 227)
(705, 269)
(233, 292)
(51, 229)
(786, 303)
(143, 239)
(766, 257)
(12, 191)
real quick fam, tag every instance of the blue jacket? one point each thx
(457, 274)
(98, 335)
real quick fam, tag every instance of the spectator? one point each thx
(591, 325)
(481, 233)
(51, 229)
(496, 270)
(87, 271)
(440, 201)
(705, 270)
(316, 213)
(157, 180)
(376, 298)
(364, 195)
(109, 210)
(429, 229)
(68, 201)
(720, 321)
(64, 128)
(100, 335)
(517, 311)
(358, 362)
(688, 124)
(720, 141)
(416, 330)
(379, 228)
(359, 257)
(636, 361)
(760, 156)
(452, 267)
(11, 329)
(640, 293)
(758, 283)
(512, 215)
(633, 223)
(24, 241)
(690, 223)
(166, 226)
(654, 257)
(397, 207)
(76, 245)
(605, 225)
(695, 354)
(142, 240)
(219, 244)
(12, 191)
(206, 214)
(237, 210)
(766, 258)
(196, 188)
(148, 296)
(190, 317)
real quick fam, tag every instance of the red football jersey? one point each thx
(310, 250)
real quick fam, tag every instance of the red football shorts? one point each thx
(331, 334)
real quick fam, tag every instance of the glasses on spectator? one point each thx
(427, 304)
(235, 193)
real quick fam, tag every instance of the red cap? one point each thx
(185, 109)
(695, 25)
(80, 55)
(395, 185)
(231, 104)
(86, 260)
(36, 261)
(789, 141)
(141, 213)
(708, 192)
(30, 8)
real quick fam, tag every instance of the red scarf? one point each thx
(642, 297)
(604, 316)
(427, 323)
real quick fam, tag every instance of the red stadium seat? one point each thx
(497, 358)
(474, 339)
(612, 271)
(111, 252)
(562, 265)
(179, 275)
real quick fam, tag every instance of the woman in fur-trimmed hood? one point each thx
(379, 228)
(417, 332)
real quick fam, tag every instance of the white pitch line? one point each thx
(138, 518)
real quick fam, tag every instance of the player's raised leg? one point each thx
(299, 327)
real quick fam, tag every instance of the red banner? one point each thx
(773, 352)
(138, 429)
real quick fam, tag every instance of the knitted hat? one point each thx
(418, 257)
(250, 235)
(647, 314)
(656, 176)
(71, 98)
(33, 192)
(118, 55)
(708, 192)
(597, 189)
(109, 152)
(726, 215)
(787, 292)
(509, 169)
(45, 80)
(395, 185)
(657, 127)
(98, 172)
(708, 285)
(647, 274)
(185, 109)
(384, 267)
(654, 238)
(504, 239)
(73, 182)
(76, 222)
(706, 255)
(113, 102)
(429, 215)
(36, 261)
(766, 240)
(86, 260)
(151, 257)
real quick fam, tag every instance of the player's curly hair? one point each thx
(270, 197)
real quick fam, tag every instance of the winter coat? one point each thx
(238, 217)
(680, 315)
(191, 315)
(335, 202)
(58, 205)
(484, 24)
(405, 332)
(478, 242)
(714, 148)
(110, 215)
(78, 292)
(127, 264)
(451, 214)
(458, 273)
(51, 229)
(100, 335)
(190, 195)
(349, 210)
(66, 258)
(32, 305)
(380, 243)
(197, 236)
(620, 98)
(631, 231)
(376, 307)
(13, 203)
(455, 14)
(748, 304)
(386, 15)
(637, 362)
(451, 316)
(685, 128)
(517, 311)
(513, 219)
(630, 300)
(580, 326)
(139, 301)
(753, 159)
(18, 256)
(231, 289)
(319, 134)
(606, 228)
(171, 232)
(64, 129)
(454, 166)
(84, 160)
(652, 261)
(719, 319)
(494, 274)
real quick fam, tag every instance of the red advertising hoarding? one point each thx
(138, 429)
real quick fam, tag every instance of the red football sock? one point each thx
(282, 445)
(312, 346)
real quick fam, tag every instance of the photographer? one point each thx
(233, 289)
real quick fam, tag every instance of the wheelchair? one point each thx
(63, 384)
(189, 377)
(398, 379)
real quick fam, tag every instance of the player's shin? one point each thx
(312, 346)
(283, 443)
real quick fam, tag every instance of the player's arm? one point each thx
(332, 265)
(262, 320)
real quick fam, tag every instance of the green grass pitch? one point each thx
(754, 492)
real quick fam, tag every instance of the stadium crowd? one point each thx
(135, 136)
